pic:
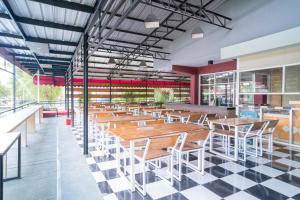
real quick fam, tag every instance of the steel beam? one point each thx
(67, 5)
(61, 52)
(72, 94)
(85, 94)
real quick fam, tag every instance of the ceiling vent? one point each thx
(210, 62)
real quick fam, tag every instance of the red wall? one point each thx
(194, 72)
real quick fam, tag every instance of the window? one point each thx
(217, 89)
(292, 79)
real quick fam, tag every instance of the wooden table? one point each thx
(122, 119)
(6, 142)
(232, 122)
(26, 116)
(155, 112)
(136, 133)
(181, 115)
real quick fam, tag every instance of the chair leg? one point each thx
(261, 146)
(179, 166)
(271, 143)
(144, 178)
(199, 162)
(172, 170)
(245, 148)
(202, 161)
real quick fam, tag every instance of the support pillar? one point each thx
(68, 95)
(110, 96)
(65, 92)
(72, 95)
(194, 89)
(85, 94)
(38, 86)
(14, 83)
(147, 91)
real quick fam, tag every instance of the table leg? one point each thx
(118, 154)
(132, 163)
(235, 143)
(1, 177)
(19, 157)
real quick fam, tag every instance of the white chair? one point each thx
(267, 136)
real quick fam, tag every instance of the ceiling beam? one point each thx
(13, 47)
(67, 5)
(61, 52)
(51, 41)
(43, 23)
(118, 58)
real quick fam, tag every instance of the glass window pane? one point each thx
(222, 78)
(207, 79)
(292, 79)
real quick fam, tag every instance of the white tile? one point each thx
(119, 184)
(159, 189)
(241, 195)
(207, 164)
(107, 165)
(288, 162)
(267, 170)
(259, 160)
(282, 187)
(195, 193)
(96, 153)
(98, 176)
(280, 154)
(231, 166)
(295, 172)
(110, 197)
(201, 179)
(239, 181)
(90, 160)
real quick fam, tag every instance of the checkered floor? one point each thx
(271, 177)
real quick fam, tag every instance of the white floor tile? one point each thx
(206, 163)
(96, 153)
(107, 165)
(160, 189)
(110, 197)
(241, 196)
(197, 192)
(295, 172)
(98, 176)
(90, 160)
(284, 188)
(119, 184)
(231, 166)
(201, 179)
(268, 171)
(239, 181)
(286, 161)
(280, 154)
(259, 160)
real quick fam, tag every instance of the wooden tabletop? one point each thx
(236, 121)
(13, 120)
(140, 132)
(123, 118)
(110, 111)
(179, 114)
(7, 140)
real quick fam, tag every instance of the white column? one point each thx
(38, 86)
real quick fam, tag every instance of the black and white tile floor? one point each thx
(271, 177)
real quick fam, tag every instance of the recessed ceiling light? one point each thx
(197, 33)
(151, 21)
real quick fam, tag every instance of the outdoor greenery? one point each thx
(163, 95)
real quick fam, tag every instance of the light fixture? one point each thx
(197, 33)
(143, 64)
(111, 61)
(151, 21)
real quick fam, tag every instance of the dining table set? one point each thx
(156, 136)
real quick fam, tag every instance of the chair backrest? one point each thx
(152, 122)
(163, 142)
(259, 127)
(100, 115)
(272, 125)
(197, 135)
(123, 124)
(195, 117)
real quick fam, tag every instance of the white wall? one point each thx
(250, 19)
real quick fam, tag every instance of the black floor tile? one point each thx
(280, 166)
(218, 171)
(184, 184)
(176, 196)
(221, 188)
(296, 197)
(104, 188)
(288, 178)
(265, 193)
(288, 151)
(184, 169)
(247, 163)
(110, 174)
(150, 177)
(94, 167)
(254, 176)
(128, 195)
(99, 159)
(216, 160)
(294, 158)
